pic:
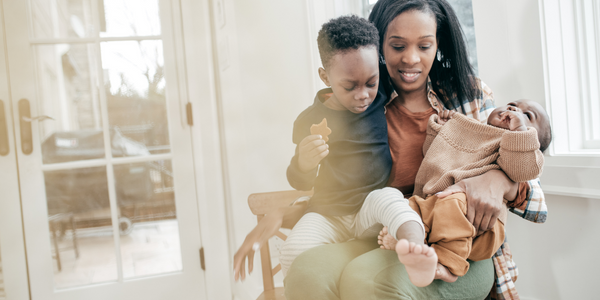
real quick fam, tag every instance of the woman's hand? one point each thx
(485, 195)
(265, 229)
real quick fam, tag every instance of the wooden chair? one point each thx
(261, 204)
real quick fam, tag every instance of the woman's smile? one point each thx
(409, 76)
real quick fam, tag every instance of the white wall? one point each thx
(266, 79)
(267, 83)
(267, 71)
(557, 259)
(509, 49)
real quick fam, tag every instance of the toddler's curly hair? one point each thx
(345, 33)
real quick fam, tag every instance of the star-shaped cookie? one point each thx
(321, 129)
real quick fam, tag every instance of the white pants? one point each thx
(384, 207)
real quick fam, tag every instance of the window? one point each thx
(367, 7)
(571, 45)
(570, 32)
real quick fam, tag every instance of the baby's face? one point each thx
(534, 114)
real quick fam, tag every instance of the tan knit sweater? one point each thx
(464, 148)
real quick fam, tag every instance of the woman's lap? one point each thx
(362, 271)
(378, 274)
(315, 274)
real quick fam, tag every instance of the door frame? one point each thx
(195, 71)
(12, 241)
(199, 26)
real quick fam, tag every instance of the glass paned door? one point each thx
(103, 158)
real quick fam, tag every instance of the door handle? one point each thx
(38, 118)
(26, 134)
(4, 147)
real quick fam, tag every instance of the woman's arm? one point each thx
(531, 203)
(485, 196)
(265, 229)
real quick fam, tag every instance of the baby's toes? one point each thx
(384, 231)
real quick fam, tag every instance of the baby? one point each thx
(457, 147)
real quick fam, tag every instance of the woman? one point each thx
(427, 67)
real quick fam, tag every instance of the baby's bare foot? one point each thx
(420, 262)
(386, 240)
(444, 274)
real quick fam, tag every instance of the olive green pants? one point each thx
(360, 270)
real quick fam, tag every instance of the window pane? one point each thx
(61, 18)
(586, 17)
(464, 12)
(135, 91)
(145, 192)
(130, 18)
(69, 97)
(81, 233)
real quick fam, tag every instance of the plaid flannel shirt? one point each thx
(531, 205)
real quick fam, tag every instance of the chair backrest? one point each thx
(260, 204)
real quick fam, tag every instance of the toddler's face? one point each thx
(354, 78)
(534, 114)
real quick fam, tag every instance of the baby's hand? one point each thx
(517, 121)
(445, 116)
(312, 150)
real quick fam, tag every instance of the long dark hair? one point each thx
(452, 76)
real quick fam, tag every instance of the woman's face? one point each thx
(409, 48)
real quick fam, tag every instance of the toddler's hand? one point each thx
(445, 116)
(517, 121)
(312, 150)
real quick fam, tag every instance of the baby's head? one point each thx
(535, 116)
(348, 46)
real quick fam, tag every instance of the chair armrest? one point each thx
(263, 203)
